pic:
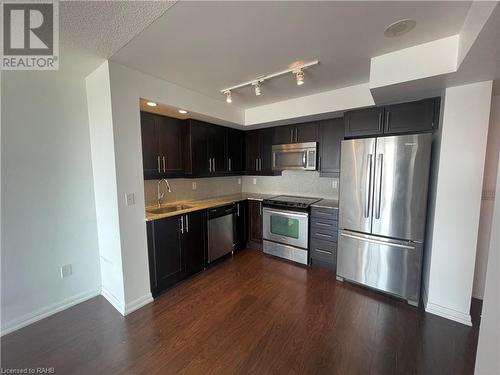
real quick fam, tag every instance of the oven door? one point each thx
(286, 227)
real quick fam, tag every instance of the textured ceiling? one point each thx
(206, 46)
(92, 31)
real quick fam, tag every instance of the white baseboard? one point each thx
(138, 303)
(445, 312)
(117, 304)
(47, 311)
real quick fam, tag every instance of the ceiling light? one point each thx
(183, 111)
(399, 28)
(228, 96)
(299, 76)
(151, 104)
(257, 88)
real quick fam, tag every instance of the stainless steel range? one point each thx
(286, 227)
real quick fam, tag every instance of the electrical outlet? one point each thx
(254, 181)
(129, 199)
(193, 185)
(66, 270)
(335, 183)
(239, 181)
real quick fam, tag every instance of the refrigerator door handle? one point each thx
(378, 242)
(368, 186)
(378, 181)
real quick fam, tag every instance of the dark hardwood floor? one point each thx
(250, 314)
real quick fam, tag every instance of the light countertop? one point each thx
(201, 204)
(327, 203)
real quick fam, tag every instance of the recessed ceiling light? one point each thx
(151, 104)
(183, 111)
(399, 28)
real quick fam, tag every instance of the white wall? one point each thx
(457, 200)
(487, 202)
(48, 212)
(488, 350)
(104, 177)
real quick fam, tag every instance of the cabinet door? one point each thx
(252, 150)
(266, 151)
(284, 134)
(307, 132)
(198, 148)
(240, 227)
(217, 148)
(150, 146)
(194, 241)
(331, 135)
(410, 117)
(255, 221)
(364, 122)
(170, 141)
(168, 260)
(235, 150)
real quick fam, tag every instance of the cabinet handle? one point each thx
(159, 168)
(297, 135)
(229, 164)
(260, 208)
(182, 224)
(213, 163)
(380, 120)
(319, 163)
(291, 135)
(238, 209)
(164, 165)
(260, 164)
(387, 120)
(210, 164)
(256, 164)
(187, 223)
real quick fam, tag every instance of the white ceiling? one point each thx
(206, 46)
(92, 31)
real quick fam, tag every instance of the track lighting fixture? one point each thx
(257, 88)
(297, 68)
(299, 76)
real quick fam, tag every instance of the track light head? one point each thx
(299, 76)
(228, 96)
(258, 90)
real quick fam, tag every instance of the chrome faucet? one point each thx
(162, 194)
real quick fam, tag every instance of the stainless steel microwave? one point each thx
(298, 156)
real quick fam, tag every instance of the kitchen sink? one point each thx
(167, 209)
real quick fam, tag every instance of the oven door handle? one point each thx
(285, 213)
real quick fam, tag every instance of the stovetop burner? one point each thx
(289, 201)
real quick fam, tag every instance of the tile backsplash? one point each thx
(182, 188)
(306, 183)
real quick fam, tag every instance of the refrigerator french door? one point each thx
(382, 211)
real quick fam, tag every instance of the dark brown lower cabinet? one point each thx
(254, 224)
(176, 247)
(241, 225)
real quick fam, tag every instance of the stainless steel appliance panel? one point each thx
(220, 236)
(356, 184)
(285, 251)
(287, 227)
(400, 189)
(392, 266)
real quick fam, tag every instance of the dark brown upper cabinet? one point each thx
(259, 144)
(299, 133)
(235, 151)
(331, 134)
(405, 118)
(216, 147)
(161, 146)
(364, 122)
(419, 116)
(196, 161)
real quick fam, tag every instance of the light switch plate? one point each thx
(335, 184)
(193, 185)
(129, 199)
(66, 270)
(239, 181)
(254, 181)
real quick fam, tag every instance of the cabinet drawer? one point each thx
(325, 232)
(324, 251)
(324, 213)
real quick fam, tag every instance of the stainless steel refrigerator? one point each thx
(382, 212)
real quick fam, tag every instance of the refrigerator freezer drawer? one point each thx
(391, 266)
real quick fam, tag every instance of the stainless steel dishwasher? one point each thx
(220, 231)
